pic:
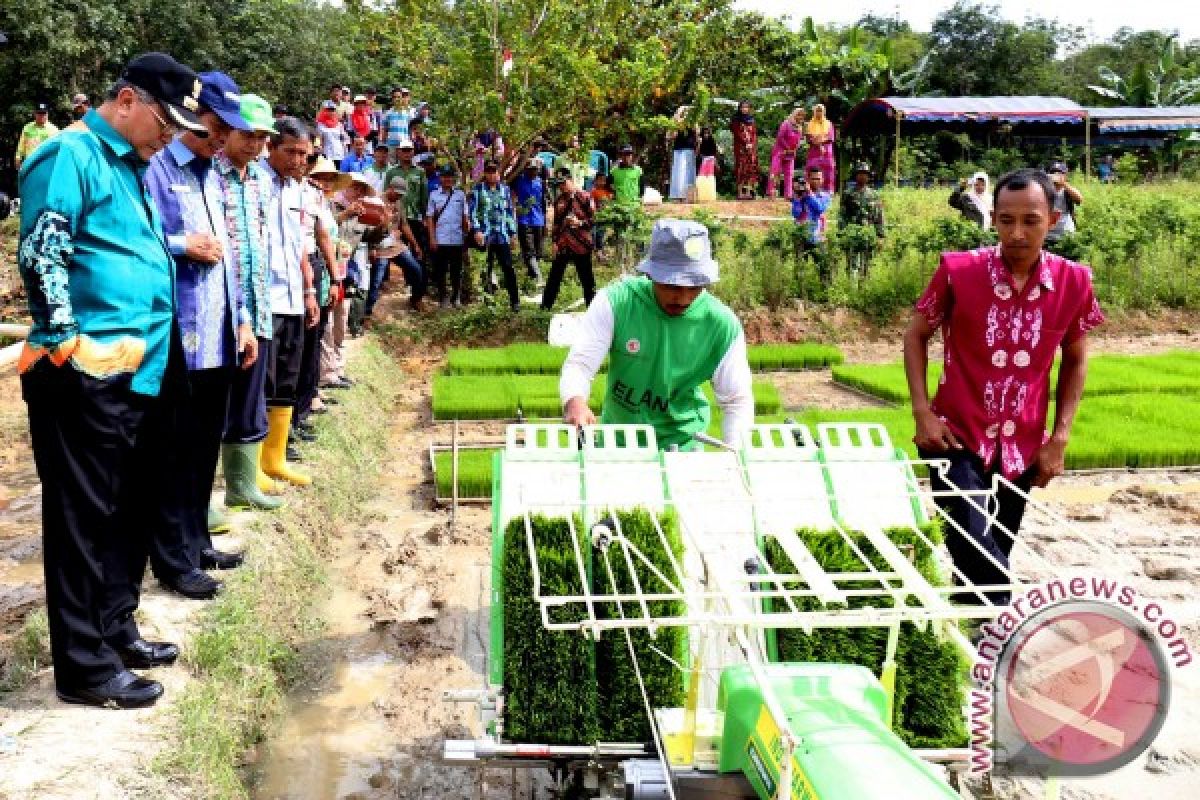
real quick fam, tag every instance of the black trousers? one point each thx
(421, 234)
(502, 253)
(102, 454)
(310, 368)
(246, 420)
(989, 533)
(583, 265)
(448, 261)
(532, 237)
(287, 356)
(200, 424)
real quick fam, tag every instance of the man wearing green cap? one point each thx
(664, 336)
(244, 187)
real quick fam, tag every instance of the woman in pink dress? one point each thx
(783, 154)
(820, 147)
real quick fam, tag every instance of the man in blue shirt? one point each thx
(293, 289)
(358, 159)
(446, 219)
(214, 325)
(493, 224)
(530, 194)
(810, 202)
(396, 119)
(101, 372)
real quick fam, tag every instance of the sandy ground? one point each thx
(407, 620)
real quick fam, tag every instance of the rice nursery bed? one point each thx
(545, 359)
(1177, 371)
(536, 396)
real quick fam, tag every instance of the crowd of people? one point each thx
(973, 199)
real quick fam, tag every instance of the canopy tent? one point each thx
(915, 115)
(927, 114)
(1139, 120)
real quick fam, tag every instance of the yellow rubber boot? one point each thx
(266, 484)
(274, 452)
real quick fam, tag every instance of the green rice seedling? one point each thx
(805, 355)
(885, 381)
(550, 687)
(474, 473)
(473, 397)
(477, 361)
(623, 713)
(927, 708)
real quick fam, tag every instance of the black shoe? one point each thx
(331, 401)
(216, 559)
(145, 655)
(320, 409)
(304, 434)
(196, 585)
(305, 426)
(123, 690)
(293, 454)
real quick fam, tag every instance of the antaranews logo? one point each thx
(1072, 679)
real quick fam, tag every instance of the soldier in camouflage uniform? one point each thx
(861, 205)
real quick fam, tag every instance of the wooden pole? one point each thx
(1087, 145)
(896, 169)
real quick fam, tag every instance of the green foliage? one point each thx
(930, 672)
(622, 713)
(550, 686)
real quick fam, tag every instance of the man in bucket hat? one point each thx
(665, 336)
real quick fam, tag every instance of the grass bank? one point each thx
(245, 656)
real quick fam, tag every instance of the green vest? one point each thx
(657, 364)
(626, 185)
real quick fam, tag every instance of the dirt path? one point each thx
(408, 621)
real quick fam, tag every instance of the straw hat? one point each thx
(329, 174)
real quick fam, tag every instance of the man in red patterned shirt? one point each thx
(574, 214)
(1004, 313)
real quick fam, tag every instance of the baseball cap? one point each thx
(404, 90)
(1057, 166)
(405, 144)
(329, 104)
(491, 166)
(78, 100)
(256, 112)
(381, 146)
(222, 96)
(424, 158)
(448, 170)
(41, 108)
(360, 98)
(626, 148)
(174, 85)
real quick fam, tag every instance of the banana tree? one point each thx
(1149, 86)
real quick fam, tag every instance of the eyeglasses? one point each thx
(163, 125)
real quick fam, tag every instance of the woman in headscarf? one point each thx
(745, 151)
(783, 154)
(974, 199)
(820, 136)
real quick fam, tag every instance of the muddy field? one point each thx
(407, 620)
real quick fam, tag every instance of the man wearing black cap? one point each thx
(101, 367)
(34, 133)
(215, 329)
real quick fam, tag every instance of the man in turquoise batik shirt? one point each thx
(102, 373)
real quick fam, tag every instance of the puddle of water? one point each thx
(331, 746)
(21, 573)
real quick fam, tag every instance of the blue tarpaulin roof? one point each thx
(1130, 119)
(882, 112)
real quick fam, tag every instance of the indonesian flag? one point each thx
(506, 65)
